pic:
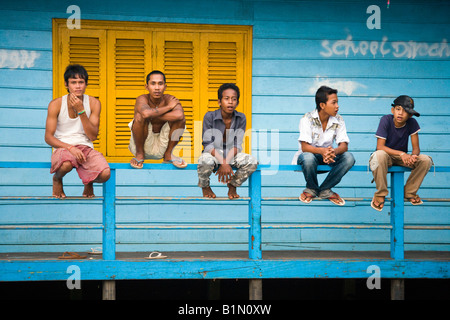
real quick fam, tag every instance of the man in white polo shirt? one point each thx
(318, 130)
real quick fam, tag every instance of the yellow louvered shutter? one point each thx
(177, 57)
(129, 56)
(87, 47)
(195, 65)
(224, 63)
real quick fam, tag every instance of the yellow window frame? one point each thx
(104, 46)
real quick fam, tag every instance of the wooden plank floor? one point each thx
(239, 255)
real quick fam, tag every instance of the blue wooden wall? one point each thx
(297, 46)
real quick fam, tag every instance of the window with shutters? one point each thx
(196, 60)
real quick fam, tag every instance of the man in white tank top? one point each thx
(71, 127)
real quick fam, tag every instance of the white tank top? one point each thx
(70, 130)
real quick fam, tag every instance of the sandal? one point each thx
(336, 199)
(97, 250)
(179, 163)
(156, 255)
(378, 207)
(308, 197)
(415, 201)
(71, 256)
(139, 165)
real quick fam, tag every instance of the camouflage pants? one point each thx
(207, 163)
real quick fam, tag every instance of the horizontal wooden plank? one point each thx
(349, 48)
(274, 211)
(24, 20)
(30, 137)
(140, 226)
(22, 60)
(351, 68)
(349, 105)
(326, 226)
(8, 153)
(33, 117)
(355, 86)
(273, 28)
(202, 247)
(262, 139)
(50, 237)
(217, 269)
(192, 12)
(33, 79)
(353, 123)
(284, 157)
(27, 98)
(49, 227)
(358, 141)
(402, 12)
(26, 39)
(45, 212)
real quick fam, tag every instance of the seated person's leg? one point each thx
(206, 165)
(309, 163)
(175, 133)
(139, 131)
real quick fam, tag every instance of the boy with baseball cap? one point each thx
(392, 149)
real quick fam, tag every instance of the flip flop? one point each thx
(415, 198)
(179, 163)
(336, 199)
(308, 197)
(71, 256)
(97, 250)
(139, 165)
(379, 207)
(156, 255)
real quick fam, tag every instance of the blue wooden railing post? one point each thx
(254, 215)
(397, 215)
(109, 217)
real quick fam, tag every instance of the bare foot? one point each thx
(208, 193)
(232, 191)
(168, 156)
(58, 191)
(88, 191)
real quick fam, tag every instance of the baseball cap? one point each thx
(407, 103)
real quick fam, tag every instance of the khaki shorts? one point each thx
(156, 143)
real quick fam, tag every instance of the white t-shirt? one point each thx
(70, 130)
(311, 132)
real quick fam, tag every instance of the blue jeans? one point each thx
(310, 161)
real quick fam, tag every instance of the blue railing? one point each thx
(254, 199)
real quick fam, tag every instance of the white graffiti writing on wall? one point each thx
(18, 59)
(399, 49)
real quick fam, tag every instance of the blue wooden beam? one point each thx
(167, 166)
(254, 216)
(109, 217)
(222, 269)
(397, 215)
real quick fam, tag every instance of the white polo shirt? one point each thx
(311, 132)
